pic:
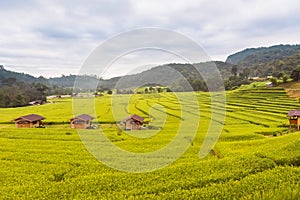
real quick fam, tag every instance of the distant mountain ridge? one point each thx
(157, 74)
(180, 77)
(263, 61)
(4, 74)
(63, 81)
(252, 56)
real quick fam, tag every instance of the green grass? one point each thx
(53, 163)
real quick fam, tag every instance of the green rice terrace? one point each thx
(256, 157)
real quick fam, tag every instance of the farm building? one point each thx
(294, 116)
(269, 84)
(133, 122)
(81, 121)
(29, 121)
(36, 102)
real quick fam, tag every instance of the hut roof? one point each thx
(135, 117)
(30, 118)
(293, 113)
(83, 117)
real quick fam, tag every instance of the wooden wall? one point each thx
(80, 124)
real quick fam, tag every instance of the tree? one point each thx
(168, 90)
(109, 92)
(20, 100)
(246, 72)
(285, 77)
(296, 74)
(151, 89)
(41, 88)
(9, 81)
(273, 81)
(234, 70)
(199, 85)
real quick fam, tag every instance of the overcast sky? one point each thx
(54, 37)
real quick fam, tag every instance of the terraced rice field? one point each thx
(256, 157)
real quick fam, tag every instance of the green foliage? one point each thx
(178, 77)
(261, 62)
(273, 81)
(285, 77)
(16, 94)
(296, 73)
(234, 70)
(254, 56)
(5, 74)
(234, 82)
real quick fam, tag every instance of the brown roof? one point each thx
(135, 117)
(293, 113)
(30, 118)
(83, 117)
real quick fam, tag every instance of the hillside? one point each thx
(63, 81)
(172, 75)
(276, 67)
(277, 61)
(179, 77)
(292, 89)
(255, 56)
(21, 77)
(267, 61)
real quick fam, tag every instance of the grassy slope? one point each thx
(52, 163)
(292, 89)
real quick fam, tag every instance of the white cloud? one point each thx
(56, 36)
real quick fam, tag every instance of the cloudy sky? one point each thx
(55, 37)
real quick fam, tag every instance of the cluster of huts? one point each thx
(133, 122)
(84, 121)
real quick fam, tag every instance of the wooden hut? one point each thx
(133, 122)
(294, 116)
(81, 122)
(29, 121)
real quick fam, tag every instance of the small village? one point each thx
(83, 121)
(133, 122)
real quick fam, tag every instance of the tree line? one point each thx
(14, 93)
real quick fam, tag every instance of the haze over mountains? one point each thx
(261, 62)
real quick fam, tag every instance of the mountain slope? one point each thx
(63, 81)
(180, 77)
(275, 60)
(21, 77)
(256, 56)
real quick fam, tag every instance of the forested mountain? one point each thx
(63, 81)
(180, 77)
(267, 61)
(4, 74)
(276, 67)
(256, 56)
(172, 78)
(280, 61)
